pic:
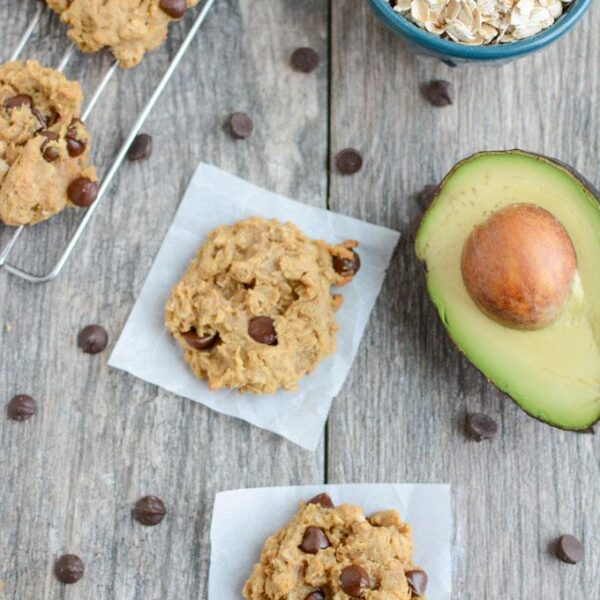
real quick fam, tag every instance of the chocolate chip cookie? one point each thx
(331, 553)
(44, 146)
(128, 27)
(254, 311)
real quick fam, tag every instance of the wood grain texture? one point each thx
(401, 413)
(69, 477)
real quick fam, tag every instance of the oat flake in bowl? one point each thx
(478, 22)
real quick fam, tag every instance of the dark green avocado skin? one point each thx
(576, 174)
(585, 183)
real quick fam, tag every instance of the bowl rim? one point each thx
(449, 48)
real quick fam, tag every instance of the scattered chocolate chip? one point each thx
(314, 540)
(438, 93)
(240, 125)
(304, 60)
(481, 427)
(141, 147)
(21, 408)
(323, 499)
(348, 161)
(92, 339)
(569, 549)
(346, 267)
(262, 330)
(427, 195)
(39, 115)
(318, 595)
(174, 8)
(149, 511)
(417, 581)
(197, 342)
(83, 191)
(69, 568)
(18, 100)
(355, 580)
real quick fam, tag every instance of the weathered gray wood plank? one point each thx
(68, 477)
(399, 417)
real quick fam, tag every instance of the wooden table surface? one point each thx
(102, 439)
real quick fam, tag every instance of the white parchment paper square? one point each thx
(213, 198)
(244, 519)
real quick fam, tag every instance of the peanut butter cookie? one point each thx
(333, 553)
(129, 27)
(254, 310)
(44, 146)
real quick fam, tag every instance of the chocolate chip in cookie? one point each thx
(21, 408)
(417, 581)
(346, 267)
(50, 153)
(39, 115)
(149, 511)
(92, 339)
(18, 100)
(53, 119)
(174, 8)
(314, 540)
(75, 146)
(355, 580)
(200, 342)
(317, 595)
(83, 192)
(323, 499)
(262, 330)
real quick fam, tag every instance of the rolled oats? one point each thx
(478, 22)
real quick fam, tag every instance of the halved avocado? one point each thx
(552, 369)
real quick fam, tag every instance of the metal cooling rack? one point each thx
(6, 250)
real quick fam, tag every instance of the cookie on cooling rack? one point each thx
(129, 27)
(336, 552)
(254, 311)
(43, 145)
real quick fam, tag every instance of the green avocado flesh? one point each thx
(552, 373)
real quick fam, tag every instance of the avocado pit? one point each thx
(518, 266)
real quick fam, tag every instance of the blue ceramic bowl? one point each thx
(452, 53)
